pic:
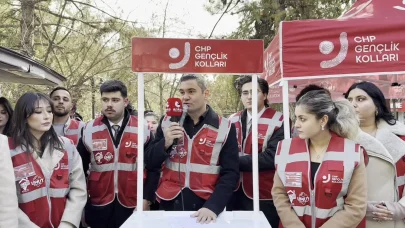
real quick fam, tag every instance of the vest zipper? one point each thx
(312, 188)
(116, 156)
(48, 198)
(189, 152)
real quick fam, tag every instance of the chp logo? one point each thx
(332, 178)
(174, 53)
(131, 144)
(206, 141)
(326, 47)
(401, 7)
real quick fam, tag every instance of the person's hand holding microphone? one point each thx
(174, 132)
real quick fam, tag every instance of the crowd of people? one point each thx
(344, 166)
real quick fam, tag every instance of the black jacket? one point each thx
(266, 158)
(153, 175)
(228, 158)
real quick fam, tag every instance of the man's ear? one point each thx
(206, 93)
(126, 101)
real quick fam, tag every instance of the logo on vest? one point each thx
(131, 144)
(335, 179)
(24, 183)
(37, 181)
(99, 144)
(292, 195)
(303, 198)
(61, 166)
(206, 142)
(179, 150)
(108, 156)
(98, 157)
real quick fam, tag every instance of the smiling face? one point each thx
(363, 104)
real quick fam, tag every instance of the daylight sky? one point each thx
(192, 18)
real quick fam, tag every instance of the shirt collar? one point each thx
(259, 114)
(119, 123)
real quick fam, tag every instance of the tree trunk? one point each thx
(27, 27)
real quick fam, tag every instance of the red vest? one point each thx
(73, 131)
(194, 163)
(34, 190)
(315, 207)
(113, 170)
(269, 121)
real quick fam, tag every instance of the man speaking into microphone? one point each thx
(201, 161)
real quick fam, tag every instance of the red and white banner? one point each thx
(162, 55)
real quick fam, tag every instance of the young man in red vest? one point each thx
(201, 171)
(62, 123)
(110, 144)
(270, 132)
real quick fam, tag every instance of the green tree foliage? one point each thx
(259, 19)
(76, 38)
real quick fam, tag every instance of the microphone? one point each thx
(174, 109)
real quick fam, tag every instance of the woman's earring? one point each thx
(323, 128)
(376, 112)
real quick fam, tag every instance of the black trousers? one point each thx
(112, 215)
(191, 202)
(240, 202)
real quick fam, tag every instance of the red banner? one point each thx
(197, 56)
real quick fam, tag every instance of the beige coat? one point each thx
(77, 195)
(8, 196)
(384, 151)
(355, 203)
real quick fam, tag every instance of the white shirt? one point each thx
(112, 124)
(249, 116)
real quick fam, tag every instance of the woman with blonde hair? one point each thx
(321, 175)
(383, 138)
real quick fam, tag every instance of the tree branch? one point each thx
(55, 33)
(223, 13)
(104, 12)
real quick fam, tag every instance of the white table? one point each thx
(181, 219)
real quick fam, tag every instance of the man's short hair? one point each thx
(310, 87)
(200, 80)
(114, 86)
(239, 82)
(59, 88)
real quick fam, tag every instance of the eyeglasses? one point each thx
(246, 93)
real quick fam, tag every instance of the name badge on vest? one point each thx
(293, 179)
(99, 144)
(24, 171)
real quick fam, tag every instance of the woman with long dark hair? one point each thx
(383, 138)
(321, 176)
(48, 170)
(6, 113)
